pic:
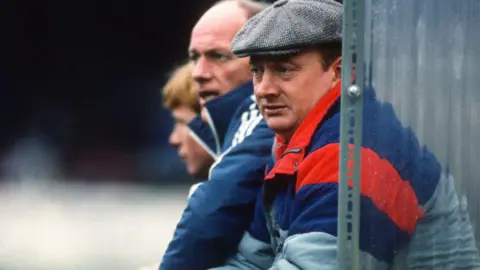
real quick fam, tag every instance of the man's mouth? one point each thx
(183, 155)
(271, 110)
(207, 95)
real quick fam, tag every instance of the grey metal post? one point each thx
(351, 134)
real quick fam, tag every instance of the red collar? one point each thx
(289, 155)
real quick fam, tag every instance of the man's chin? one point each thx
(205, 98)
(277, 124)
(203, 114)
(198, 173)
(280, 126)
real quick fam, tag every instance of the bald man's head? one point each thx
(250, 7)
(229, 10)
(216, 70)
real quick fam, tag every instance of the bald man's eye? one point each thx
(219, 57)
(194, 57)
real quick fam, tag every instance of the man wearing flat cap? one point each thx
(295, 56)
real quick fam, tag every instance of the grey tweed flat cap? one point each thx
(288, 26)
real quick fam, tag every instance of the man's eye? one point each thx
(220, 57)
(283, 70)
(255, 71)
(193, 57)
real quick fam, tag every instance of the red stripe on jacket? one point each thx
(379, 181)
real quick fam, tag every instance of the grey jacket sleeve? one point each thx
(317, 251)
(252, 254)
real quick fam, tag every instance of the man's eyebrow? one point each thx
(216, 50)
(210, 51)
(254, 61)
(271, 60)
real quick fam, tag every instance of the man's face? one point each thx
(198, 161)
(216, 70)
(288, 88)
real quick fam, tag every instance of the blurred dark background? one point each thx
(80, 88)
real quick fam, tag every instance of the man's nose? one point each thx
(265, 86)
(174, 138)
(202, 70)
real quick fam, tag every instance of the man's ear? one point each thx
(337, 69)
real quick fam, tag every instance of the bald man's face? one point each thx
(216, 70)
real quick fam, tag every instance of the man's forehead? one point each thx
(210, 38)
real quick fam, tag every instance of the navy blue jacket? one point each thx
(203, 135)
(220, 210)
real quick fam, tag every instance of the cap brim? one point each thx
(274, 53)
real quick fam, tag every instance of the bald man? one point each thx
(220, 209)
(217, 70)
